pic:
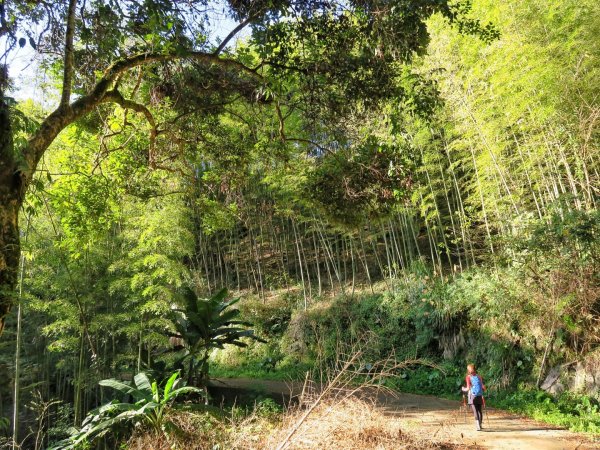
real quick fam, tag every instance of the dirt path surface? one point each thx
(444, 420)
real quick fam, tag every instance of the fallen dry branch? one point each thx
(346, 380)
(351, 423)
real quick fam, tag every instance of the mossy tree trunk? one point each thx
(16, 169)
(11, 197)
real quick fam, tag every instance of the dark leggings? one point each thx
(477, 407)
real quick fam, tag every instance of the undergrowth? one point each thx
(498, 319)
(579, 413)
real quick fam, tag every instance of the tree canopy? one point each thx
(337, 54)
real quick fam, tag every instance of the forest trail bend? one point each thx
(444, 420)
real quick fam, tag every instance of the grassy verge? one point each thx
(578, 413)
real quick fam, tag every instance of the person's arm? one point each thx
(468, 379)
(482, 385)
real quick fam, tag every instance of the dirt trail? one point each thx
(444, 420)
(501, 430)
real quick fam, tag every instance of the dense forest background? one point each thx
(458, 223)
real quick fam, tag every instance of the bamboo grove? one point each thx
(489, 167)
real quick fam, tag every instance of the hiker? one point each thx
(475, 388)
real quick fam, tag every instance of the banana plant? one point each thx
(205, 324)
(150, 407)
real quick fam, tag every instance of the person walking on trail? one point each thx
(475, 388)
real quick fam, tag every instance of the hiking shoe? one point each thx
(478, 426)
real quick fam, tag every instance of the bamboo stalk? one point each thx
(17, 387)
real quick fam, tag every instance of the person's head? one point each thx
(471, 370)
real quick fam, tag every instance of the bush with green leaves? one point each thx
(573, 411)
(444, 380)
(559, 256)
(205, 324)
(360, 182)
(150, 407)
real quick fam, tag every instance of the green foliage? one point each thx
(474, 317)
(205, 324)
(252, 364)
(559, 255)
(579, 413)
(4, 424)
(150, 408)
(268, 408)
(360, 183)
(465, 182)
(443, 381)
(563, 233)
(357, 53)
(270, 319)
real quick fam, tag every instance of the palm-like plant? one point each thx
(151, 407)
(205, 324)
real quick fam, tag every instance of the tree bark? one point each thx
(12, 187)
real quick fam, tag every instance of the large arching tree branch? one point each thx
(65, 115)
(115, 96)
(230, 36)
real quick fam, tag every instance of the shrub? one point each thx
(151, 408)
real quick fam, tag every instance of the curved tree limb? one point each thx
(115, 96)
(281, 121)
(309, 142)
(63, 116)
